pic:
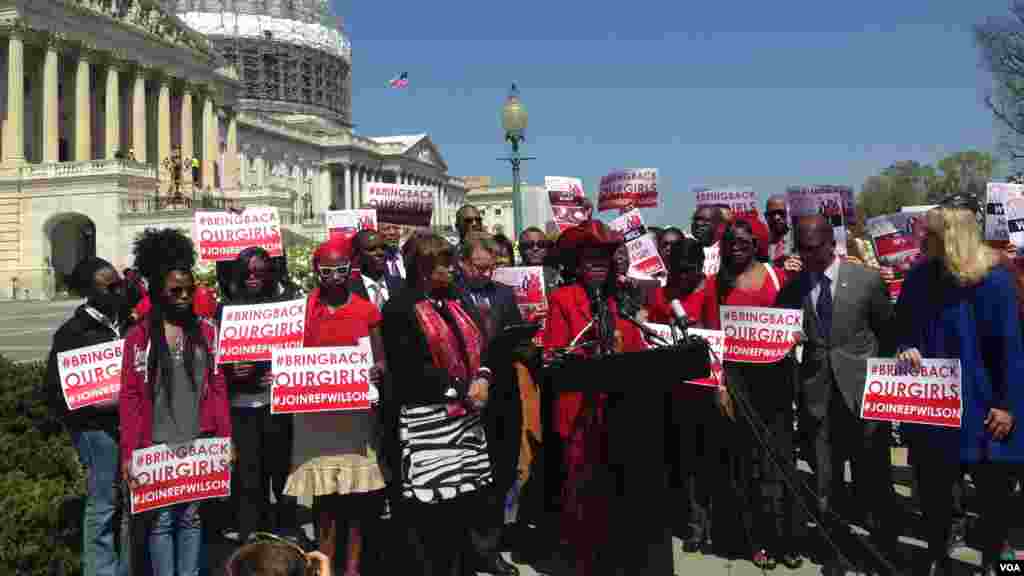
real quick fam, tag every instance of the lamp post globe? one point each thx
(514, 119)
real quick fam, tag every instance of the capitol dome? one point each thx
(291, 56)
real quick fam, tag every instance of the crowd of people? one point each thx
(460, 432)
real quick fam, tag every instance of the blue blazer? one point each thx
(980, 325)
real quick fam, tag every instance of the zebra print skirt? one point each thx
(442, 456)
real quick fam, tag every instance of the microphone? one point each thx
(682, 321)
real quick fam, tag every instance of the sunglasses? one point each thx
(530, 244)
(327, 272)
(773, 213)
(257, 538)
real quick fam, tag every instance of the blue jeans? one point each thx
(175, 541)
(97, 451)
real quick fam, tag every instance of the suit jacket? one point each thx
(861, 329)
(393, 283)
(503, 416)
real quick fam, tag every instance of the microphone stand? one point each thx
(650, 334)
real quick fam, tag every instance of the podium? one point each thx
(638, 386)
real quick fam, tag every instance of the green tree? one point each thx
(904, 183)
(1001, 43)
(966, 172)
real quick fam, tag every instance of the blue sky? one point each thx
(747, 92)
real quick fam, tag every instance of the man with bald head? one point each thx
(847, 316)
(777, 216)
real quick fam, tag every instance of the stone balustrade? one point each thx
(86, 168)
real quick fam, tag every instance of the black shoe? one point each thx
(497, 566)
(791, 561)
(691, 546)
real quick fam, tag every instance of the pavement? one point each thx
(27, 327)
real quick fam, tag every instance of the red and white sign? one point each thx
(568, 201)
(251, 333)
(712, 259)
(644, 259)
(716, 341)
(221, 236)
(997, 194)
(166, 475)
(757, 335)
(622, 189)
(741, 200)
(401, 203)
(531, 293)
(91, 375)
(321, 379)
(897, 393)
(819, 200)
(849, 209)
(1015, 220)
(350, 221)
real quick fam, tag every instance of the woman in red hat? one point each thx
(581, 419)
(335, 453)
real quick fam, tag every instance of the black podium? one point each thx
(638, 386)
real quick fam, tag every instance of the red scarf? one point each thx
(443, 344)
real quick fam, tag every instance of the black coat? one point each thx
(79, 331)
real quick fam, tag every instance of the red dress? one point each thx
(585, 519)
(342, 327)
(763, 297)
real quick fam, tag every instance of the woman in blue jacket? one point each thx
(960, 303)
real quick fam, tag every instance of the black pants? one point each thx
(485, 532)
(438, 534)
(843, 436)
(692, 459)
(264, 445)
(937, 475)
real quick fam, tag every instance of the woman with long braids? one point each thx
(768, 524)
(171, 390)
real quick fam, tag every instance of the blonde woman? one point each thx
(961, 303)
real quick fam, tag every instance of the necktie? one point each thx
(824, 305)
(375, 295)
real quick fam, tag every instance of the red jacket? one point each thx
(136, 401)
(568, 314)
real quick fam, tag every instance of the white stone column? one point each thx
(51, 107)
(231, 164)
(325, 191)
(163, 123)
(350, 203)
(258, 166)
(14, 146)
(187, 137)
(83, 108)
(139, 145)
(362, 186)
(112, 116)
(209, 141)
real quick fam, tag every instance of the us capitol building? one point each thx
(119, 115)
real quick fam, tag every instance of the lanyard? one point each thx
(102, 319)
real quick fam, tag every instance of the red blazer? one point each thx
(136, 402)
(568, 314)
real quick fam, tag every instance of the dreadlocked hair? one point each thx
(157, 254)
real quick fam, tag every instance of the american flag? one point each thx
(400, 81)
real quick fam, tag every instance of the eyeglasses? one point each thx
(773, 213)
(538, 244)
(327, 272)
(179, 291)
(484, 269)
(477, 220)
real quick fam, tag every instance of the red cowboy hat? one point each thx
(589, 234)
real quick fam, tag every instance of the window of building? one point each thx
(497, 211)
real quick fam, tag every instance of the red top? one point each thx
(342, 327)
(568, 314)
(659, 310)
(135, 407)
(763, 297)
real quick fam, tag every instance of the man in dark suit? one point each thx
(503, 416)
(847, 315)
(374, 282)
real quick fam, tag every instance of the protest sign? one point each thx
(350, 221)
(321, 379)
(250, 333)
(712, 259)
(996, 196)
(759, 335)
(644, 259)
(166, 475)
(91, 375)
(894, 392)
(897, 239)
(401, 203)
(568, 201)
(621, 189)
(531, 294)
(221, 236)
(741, 200)
(1015, 220)
(846, 200)
(819, 200)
